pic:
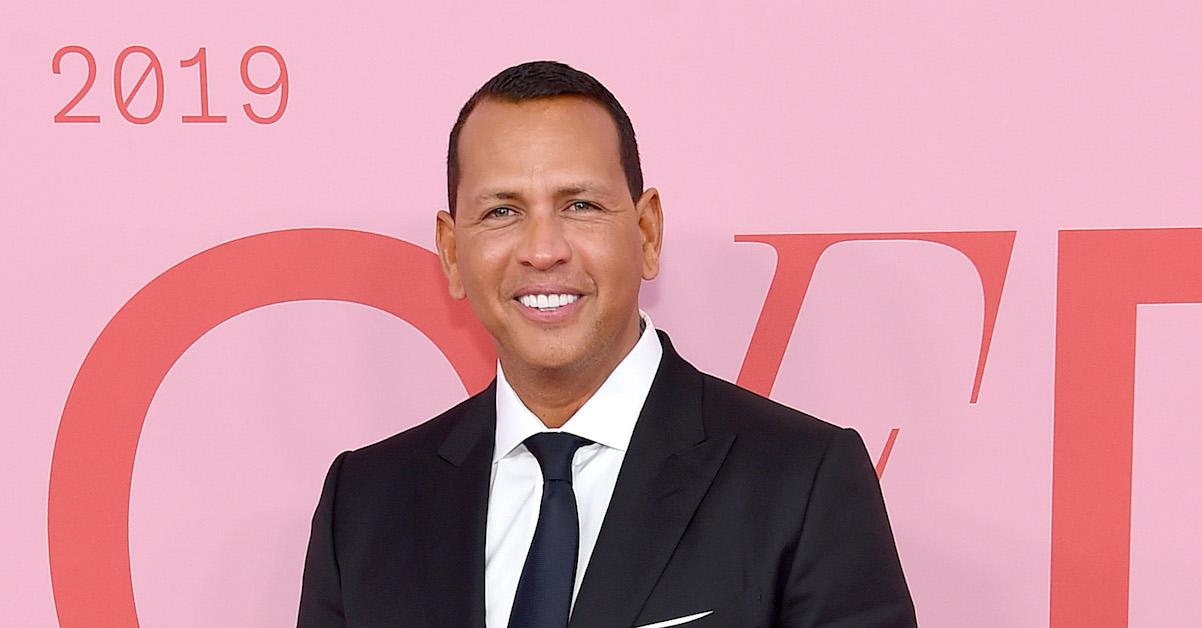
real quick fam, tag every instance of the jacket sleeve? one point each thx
(845, 570)
(321, 588)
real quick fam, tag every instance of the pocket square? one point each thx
(675, 622)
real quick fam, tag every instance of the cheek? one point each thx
(480, 282)
(482, 266)
(616, 261)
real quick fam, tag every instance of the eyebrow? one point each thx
(504, 195)
(567, 190)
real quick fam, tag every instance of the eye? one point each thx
(499, 212)
(581, 206)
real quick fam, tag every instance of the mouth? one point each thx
(547, 302)
(549, 305)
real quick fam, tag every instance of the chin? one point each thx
(554, 361)
(550, 357)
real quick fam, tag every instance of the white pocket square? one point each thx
(675, 622)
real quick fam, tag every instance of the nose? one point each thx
(543, 244)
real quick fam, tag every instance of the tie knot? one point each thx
(554, 451)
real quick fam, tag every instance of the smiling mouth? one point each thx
(547, 302)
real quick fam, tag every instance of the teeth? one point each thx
(547, 301)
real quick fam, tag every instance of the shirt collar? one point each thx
(608, 417)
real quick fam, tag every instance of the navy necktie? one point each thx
(544, 593)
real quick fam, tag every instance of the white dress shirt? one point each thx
(516, 485)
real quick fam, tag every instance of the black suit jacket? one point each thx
(726, 501)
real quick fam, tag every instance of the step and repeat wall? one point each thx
(973, 232)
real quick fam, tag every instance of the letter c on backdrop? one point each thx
(93, 463)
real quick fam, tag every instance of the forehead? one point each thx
(552, 141)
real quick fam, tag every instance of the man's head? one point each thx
(546, 79)
(545, 188)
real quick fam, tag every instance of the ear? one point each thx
(651, 228)
(444, 240)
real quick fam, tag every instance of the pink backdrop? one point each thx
(835, 117)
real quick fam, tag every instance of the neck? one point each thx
(554, 395)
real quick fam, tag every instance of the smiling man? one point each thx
(600, 481)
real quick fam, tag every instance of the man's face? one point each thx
(547, 244)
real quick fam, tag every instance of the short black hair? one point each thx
(547, 79)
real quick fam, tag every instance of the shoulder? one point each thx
(767, 432)
(773, 433)
(422, 442)
(731, 407)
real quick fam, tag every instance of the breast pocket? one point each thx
(743, 609)
(676, 621)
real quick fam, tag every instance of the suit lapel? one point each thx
(666, 471)
(453, 502)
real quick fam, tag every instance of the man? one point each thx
(600, 477)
